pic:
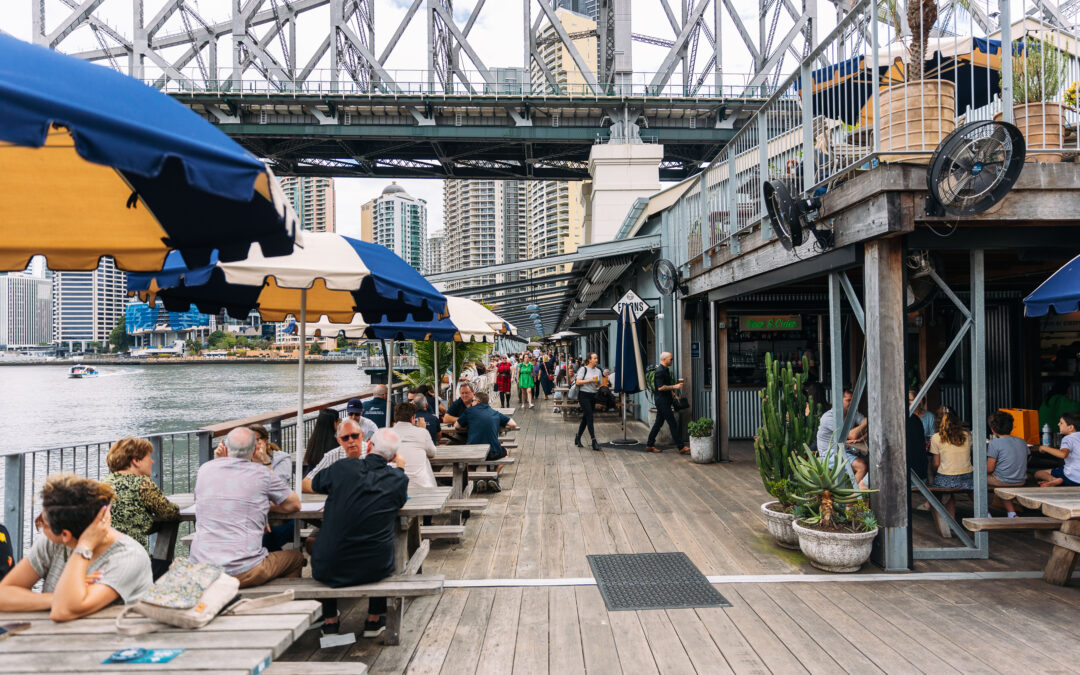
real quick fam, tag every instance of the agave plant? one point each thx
(825, 490)
(789, 422)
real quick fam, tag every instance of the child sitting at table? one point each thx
(1006, 458)
(1069, 426)
(84, 563)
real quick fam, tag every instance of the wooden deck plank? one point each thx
(531, 650)
(565, 654)
(700, 648)
(497, 650)
(418, 615)
(635, 656)
(435, 642)
(738, 652)
(598, 644)
(668, 653)
(464, 649)
(812, 656)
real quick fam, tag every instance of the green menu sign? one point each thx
(771, 322)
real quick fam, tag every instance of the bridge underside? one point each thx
(500, 137)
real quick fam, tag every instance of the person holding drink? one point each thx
(587, 379)
(665, 391)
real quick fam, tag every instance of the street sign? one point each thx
(637, 305)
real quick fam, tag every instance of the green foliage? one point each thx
(826, 492)
(1038, 73)
(650, 380)
(700, 428)
(193, 346)
(425, 360)
(221, 339)
(788, 424)
(315, 349)
(118, 338)
(94, 347)
(342, 342)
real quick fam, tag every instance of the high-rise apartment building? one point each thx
(399, 222)
(87, 305)
(555, 212)
(367, 221)
(312, 198)
(25, 310)
(484, 225)
(589, 8)
(433, 254)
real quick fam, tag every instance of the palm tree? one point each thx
(425, 360)
(921, 15)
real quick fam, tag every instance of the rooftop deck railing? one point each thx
(178, 456)
(858, 110)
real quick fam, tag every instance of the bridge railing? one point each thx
(416, 82)
(177, 458)
(848, 107)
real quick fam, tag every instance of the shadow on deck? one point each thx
(560, 503)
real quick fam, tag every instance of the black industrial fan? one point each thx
(974, 168)
(665, 276)
(790, 218)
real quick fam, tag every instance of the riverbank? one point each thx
(192, 361)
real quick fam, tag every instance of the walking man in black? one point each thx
(665, 389)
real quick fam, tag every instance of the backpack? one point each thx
(650, 380)
(190, 595)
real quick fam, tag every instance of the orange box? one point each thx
(1025, 424)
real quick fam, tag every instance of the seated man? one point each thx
(828, 426)
(458, 407)
(354, 409)
(375, 408)
(84, 563)
(484, 423)
(352, 445)
(1069, 426)
(416, 447)
(604, 396)
(231, 497)
(431, 422)
(356, 542)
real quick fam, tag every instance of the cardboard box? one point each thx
(1025, 424)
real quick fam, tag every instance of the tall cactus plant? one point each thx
(789, 422)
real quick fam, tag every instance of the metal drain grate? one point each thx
(632, 581)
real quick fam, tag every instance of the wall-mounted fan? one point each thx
(974, 168)
(790, 218)
(665, 276)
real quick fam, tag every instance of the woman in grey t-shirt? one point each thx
(587, 379)
(84, 563)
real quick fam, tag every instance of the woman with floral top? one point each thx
(139, 501)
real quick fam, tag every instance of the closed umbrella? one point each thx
(629, 372)
(1060, 292)
(96, 163)
(328, 277)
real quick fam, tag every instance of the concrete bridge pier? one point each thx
(621, 173)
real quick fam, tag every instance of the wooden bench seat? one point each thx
(316, 668)
(467, 504)
(1018, 523)
(394, 589)
(442, 531)
(494, 462)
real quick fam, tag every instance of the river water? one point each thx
(41, 407)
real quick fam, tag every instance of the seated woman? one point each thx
(272, 457)
(951, 451)
(323, 438)
(85, 563)
(139, 501)
(1069, 426)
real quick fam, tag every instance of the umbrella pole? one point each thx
(299, 459)
(389, 381)
(453, 370)
(436, 376)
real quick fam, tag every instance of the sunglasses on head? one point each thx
(349, 437)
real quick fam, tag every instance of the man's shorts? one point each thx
(495, 454)
(1059, 472)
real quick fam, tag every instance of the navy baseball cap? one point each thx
(354, 405)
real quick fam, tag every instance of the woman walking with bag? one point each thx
(587, 380)
(546, 377)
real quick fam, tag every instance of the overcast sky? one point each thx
(497, 38)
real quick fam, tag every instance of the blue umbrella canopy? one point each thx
(97, 163)
(440, 330)
(1061, 292)
(628, 371)
(342, 276)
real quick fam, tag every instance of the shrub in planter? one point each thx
(835, 527)
(701, 446)
(1038, 74)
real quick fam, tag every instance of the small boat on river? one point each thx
(83, 371)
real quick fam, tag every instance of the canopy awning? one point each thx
(1060, 292)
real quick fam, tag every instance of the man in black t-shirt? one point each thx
(665, 390)
(356, 541)
(457, 408)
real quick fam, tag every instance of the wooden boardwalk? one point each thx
(535, 614)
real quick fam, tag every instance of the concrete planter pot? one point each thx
(779, 525)
(701, 449)
(835, 551)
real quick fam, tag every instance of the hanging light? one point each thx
(534, 315)
(533, 307)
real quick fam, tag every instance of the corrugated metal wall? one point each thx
(744, 412)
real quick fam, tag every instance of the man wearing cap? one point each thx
(354, 409)
(375, 408)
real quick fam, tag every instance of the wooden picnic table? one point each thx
(243, 643)
(422, 502)
(459, 457)
(1062, 503)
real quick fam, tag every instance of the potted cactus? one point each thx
(789, 423)
(701, 445)
(835, 527)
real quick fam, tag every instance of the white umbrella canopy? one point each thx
(474, 322)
